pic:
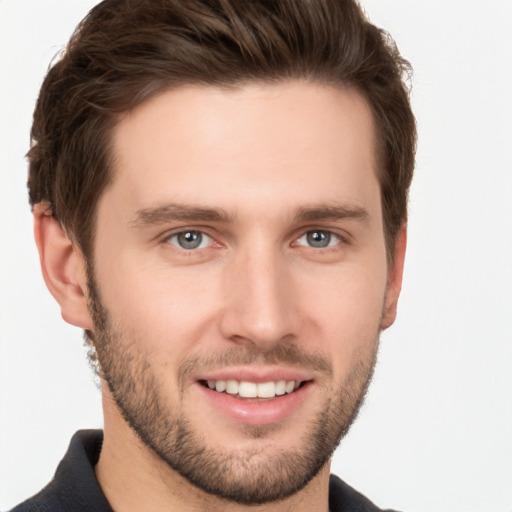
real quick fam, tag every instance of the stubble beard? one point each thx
(246, 477)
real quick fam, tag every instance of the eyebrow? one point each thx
(179, 213)
(332, 212)
(189, 213)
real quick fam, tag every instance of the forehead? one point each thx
(287, 143)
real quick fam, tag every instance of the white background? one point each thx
(435, 434)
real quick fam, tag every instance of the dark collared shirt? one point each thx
(74, 487)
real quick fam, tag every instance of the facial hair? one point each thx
(244, 476)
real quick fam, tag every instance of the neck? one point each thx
(133, 477)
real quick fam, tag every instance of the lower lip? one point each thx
(262, 412)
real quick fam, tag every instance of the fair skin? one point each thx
(256, 173)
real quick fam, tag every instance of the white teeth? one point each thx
(290, 386)
(246, 389)
(266, 390)
(280, 387)
(232, 387)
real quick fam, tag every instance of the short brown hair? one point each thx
(125, 51)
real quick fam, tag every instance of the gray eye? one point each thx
(318, 239)
(189, 239)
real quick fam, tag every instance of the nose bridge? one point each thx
(260, 306)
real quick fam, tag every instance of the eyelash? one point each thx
(331, 235)
(168, 239)
(328, 234)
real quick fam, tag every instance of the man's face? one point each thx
(240, 280)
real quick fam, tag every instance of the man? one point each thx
(219, 192)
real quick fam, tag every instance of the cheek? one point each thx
(346, 314)
(167, 312)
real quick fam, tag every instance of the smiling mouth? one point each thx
(247, 389)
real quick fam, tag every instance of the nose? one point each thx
(260, 300)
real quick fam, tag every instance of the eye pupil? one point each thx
(190, 239)
(319, 238)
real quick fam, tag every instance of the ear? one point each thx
(63, 268)
(395, 274)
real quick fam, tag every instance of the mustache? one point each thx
(281, 353)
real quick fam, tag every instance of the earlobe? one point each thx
(395, 275)
(63, 268)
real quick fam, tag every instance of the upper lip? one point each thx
(258, 375)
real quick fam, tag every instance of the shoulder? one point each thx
(343, 498)
(74, 486)
(45, 500)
